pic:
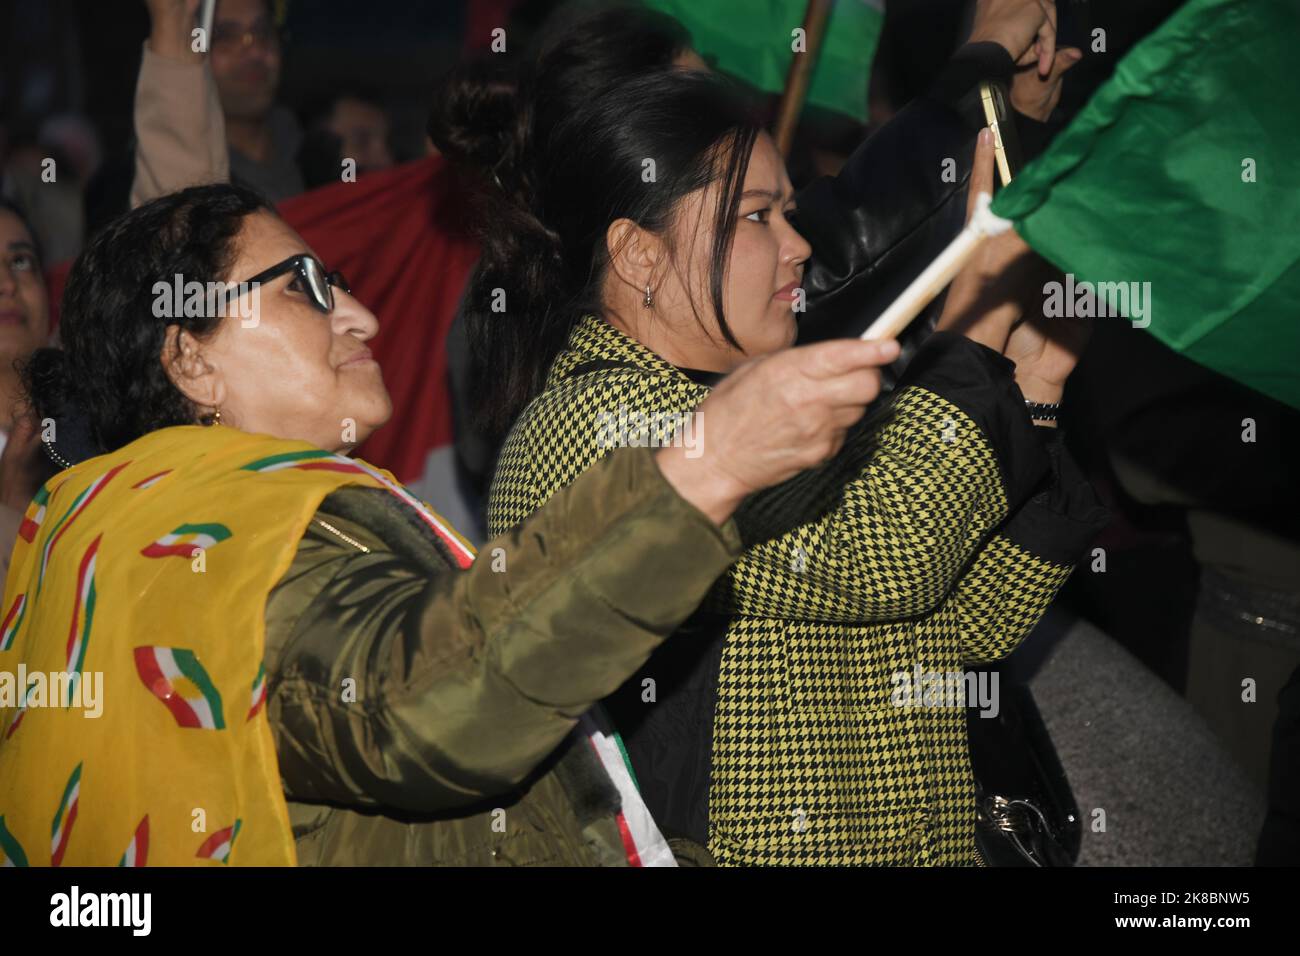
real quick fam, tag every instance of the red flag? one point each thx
(481, 18)
(402, 239)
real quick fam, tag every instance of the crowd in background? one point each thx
(1201, 568)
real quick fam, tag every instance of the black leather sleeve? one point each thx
(1064, 515)
(969, 65)
(888, 213)
(1054, 511)
(898, 201)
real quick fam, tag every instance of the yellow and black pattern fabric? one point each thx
(881, 562)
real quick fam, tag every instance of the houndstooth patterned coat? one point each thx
(896, 554)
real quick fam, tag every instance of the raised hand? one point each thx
(1045, 350)
(1025, 28)
(1036, 96)
(986, 298)
(171, 23)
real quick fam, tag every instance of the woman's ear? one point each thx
(189, 370)
(634, 253)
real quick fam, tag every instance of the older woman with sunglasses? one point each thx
(291, 659)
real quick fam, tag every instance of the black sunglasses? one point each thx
(318, 283)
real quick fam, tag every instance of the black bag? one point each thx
(1025, 811)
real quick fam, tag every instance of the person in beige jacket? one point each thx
(208, 117)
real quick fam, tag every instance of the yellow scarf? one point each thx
(132, 719)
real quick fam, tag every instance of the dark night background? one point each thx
(1129, 393)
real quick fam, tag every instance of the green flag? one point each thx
(1179, 183)
(754, 40)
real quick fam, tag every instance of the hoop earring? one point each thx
(649, 297)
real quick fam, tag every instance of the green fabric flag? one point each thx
(753, 39)
(1183, 172)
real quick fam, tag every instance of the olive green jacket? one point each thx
(417, 710)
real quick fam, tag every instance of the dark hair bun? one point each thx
(476, 116)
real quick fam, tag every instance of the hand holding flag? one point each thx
(1025, 28)
(1177, 183)
(984, 300)
(996, 301)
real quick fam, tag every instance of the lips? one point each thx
(12, 317)
(360, 358)
(254, 75)
(787, 292)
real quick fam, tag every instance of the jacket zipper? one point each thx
(337, 533)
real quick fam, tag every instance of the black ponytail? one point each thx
(482, 124)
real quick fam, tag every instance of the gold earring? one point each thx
(649, 298)
(216, 417)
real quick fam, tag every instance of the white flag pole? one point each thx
(939, 273)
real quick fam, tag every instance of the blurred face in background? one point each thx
(24, 302)
(362, 129)
(245, 57)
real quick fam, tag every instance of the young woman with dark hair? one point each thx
(550, 259)
(474, 122)
(294, 643)
(873, 226)
(648, 253)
